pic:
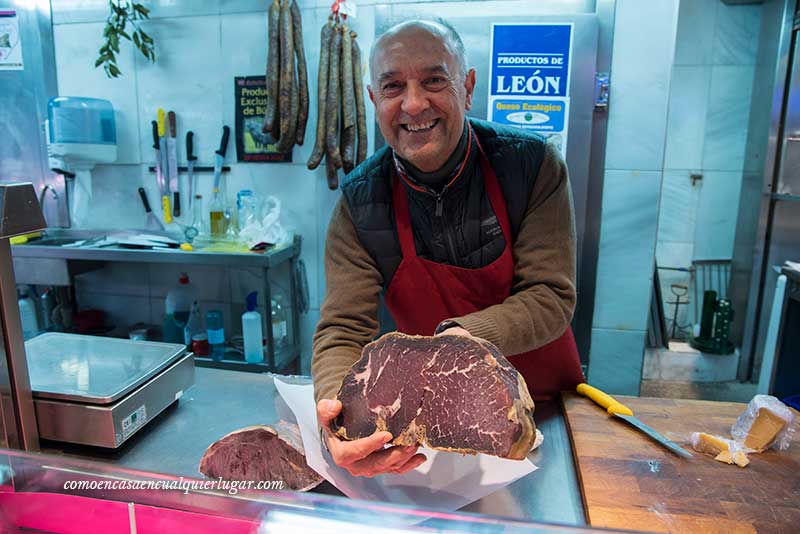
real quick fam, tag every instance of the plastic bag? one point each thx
(777, 411)
(264, 225)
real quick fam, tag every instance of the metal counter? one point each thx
(50, 247)
(222, 401)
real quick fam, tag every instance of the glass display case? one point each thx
(43, 493)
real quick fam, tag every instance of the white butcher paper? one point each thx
(446, 481)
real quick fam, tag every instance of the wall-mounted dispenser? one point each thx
(81, 132)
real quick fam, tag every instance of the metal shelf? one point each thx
(284, 358)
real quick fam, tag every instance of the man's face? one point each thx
(420, 96)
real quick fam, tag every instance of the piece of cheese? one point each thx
(739, 458)
(710, 444)
(765, 428)
(723, 450)
(724, 457)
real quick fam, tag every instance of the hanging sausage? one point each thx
(286, 112)
(341, 120)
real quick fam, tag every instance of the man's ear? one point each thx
(371, 96)
(469, 85)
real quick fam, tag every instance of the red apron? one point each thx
(423, 293)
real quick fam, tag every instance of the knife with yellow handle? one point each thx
(162, 130)
(617, 409)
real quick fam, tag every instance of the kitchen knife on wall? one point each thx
(152, 222)
(159, 172)
(219, 156)
(172, 156)
(162, 145)
(190, 159)
(621, 411)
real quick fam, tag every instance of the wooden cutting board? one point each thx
(631, 482)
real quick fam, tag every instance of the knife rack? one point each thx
(184, 169)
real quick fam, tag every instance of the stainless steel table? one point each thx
(222, 401)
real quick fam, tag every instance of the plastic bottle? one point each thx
(178, 309)
(216, 334)
(27, 315)
(197, 215)
(279, 329)
(245, 208)
(252, 331)
(216, 212)
(193, 325)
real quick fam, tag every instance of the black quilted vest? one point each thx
(463, 229)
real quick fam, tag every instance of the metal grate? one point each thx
(709, 275)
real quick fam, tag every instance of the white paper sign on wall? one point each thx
(10, 41)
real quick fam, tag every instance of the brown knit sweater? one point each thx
(537, 311)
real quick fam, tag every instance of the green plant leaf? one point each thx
(121, 12)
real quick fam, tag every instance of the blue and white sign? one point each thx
(530, 74)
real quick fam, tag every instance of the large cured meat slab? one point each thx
(453, 393)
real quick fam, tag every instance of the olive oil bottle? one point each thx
(219, 226)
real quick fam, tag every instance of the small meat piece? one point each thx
(261, 453)
(453, 393)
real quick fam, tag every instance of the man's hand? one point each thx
(455, 331)
(365, 457)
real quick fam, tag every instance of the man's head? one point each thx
(421, 89)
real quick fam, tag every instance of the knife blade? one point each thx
(616, 408)
(219, 156)
(162, 145)
(159, 175)
(152, 222)
(172, 157)
(190, 159)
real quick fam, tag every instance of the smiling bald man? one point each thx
(464, 226)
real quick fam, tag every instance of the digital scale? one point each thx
(100, 391)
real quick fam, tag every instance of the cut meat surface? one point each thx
(261, 453)
(453, 393)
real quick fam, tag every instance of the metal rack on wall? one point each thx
(282, 258)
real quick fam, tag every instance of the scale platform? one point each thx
(100, 391)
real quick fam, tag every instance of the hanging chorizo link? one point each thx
(332, 104)
(302, 74)
(361, 114)
(287, 74)
(273, 65)
(322, 91)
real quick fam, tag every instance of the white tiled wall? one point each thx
(710, 95)
(672, 115)
(644, 46)
(200, 47)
